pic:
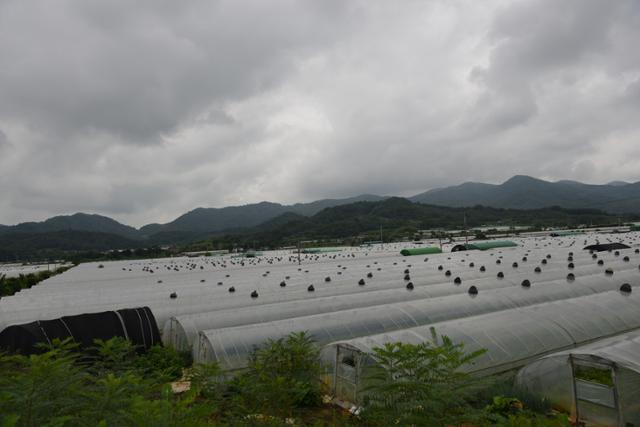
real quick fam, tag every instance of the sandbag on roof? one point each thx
(421, 251)
(138, 325)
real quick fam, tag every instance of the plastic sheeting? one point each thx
(515, 337)
(231, 346)
(180, 331)
(552, 376)
(88, 288)
(420, 251)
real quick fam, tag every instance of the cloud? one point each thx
(145, 111)
(4, 141)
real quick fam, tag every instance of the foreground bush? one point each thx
(420, 385)
(110, 386)
(113, 385)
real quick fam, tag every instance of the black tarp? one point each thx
(138, 325)
(600, 247)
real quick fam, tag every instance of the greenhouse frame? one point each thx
(511, 337)
(598, 382)
(231, 346)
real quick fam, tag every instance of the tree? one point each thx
(420, 384)
(41, 388)
(283, 375)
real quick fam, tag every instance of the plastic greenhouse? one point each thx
(180, 331)
(512, 337)
(420, 251)
(222, 308)
(203, 286)
(231, 346)
(597, 383)
(484, 246)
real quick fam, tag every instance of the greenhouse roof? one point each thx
(420, 251)
(516, 336)
(491, 244)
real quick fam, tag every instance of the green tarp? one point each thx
(491, 245)
(320, 250)
(420, 251)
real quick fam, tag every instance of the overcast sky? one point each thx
(144, 110)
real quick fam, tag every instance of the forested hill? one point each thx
(58, 244)
(218, 219)
(525, 192)
(75, 222)
(398, 216)
(519, 192)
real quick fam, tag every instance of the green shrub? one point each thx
(40, 389)
(161, 362)
(283, 375)
(504, 385)
(420, 385)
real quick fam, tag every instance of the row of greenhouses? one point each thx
(522, 300)
(201, 290)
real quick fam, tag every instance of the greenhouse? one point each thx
(597, 383)
(82, 290)
(137, 325)
(512, 337)
(230, 305)
(484, 246)
(231, 346)
(601, 247)
(420, 251)
(563, 233)
(320, 250)
(180, 331)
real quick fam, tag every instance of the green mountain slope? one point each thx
(218, 219)
(400, 217)
(26, 246)
(524, 192)
(76, 222)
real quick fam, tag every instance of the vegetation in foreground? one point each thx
(113, 385)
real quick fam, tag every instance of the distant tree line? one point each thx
(11, 285)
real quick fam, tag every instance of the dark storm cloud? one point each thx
(146, 110)
(4, 141)
(138, 70)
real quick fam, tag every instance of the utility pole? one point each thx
(298, 252)
(466, 237)
(381, 235)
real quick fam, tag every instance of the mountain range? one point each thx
(519, 192)
(525, 192)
